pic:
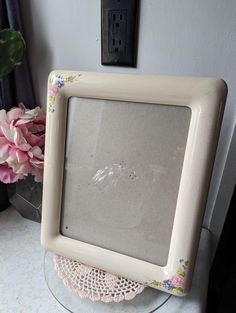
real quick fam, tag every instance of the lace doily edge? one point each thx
(86, 295)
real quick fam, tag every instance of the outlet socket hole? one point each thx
(120, 42)
(116, 49)
(113, 42)
(117, 25)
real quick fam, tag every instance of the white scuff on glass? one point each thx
(110, 175)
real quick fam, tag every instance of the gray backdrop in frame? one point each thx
(123, 164)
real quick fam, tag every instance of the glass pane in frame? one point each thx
(123, 164)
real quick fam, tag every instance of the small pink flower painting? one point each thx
(175, 283)
(56, 82)
(22, 135)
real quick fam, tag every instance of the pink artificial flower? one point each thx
(37, 162)
(22, 135)
(7, 175)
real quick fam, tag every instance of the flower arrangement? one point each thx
(22, 137)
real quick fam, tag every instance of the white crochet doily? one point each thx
(93, 283)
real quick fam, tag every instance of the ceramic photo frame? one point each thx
(128, 162)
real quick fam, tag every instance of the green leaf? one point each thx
(12, 47)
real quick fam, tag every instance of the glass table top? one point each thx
(150, 300)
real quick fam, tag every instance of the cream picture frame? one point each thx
(205, 97)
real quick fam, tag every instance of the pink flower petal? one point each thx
(4, 151)
(7, 175)
(3, 115)
(20, 168)
(3, 141)
(36, 151)
(41, 141)
(38, 174)
(14, 114)
(21, 156)
(7, 132)
(21, 122)
(24, 130)
(36, 163)
(22, 106)
(33, 139)
(37, 128)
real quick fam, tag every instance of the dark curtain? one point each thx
(17, 86)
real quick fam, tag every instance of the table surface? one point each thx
(24, 290)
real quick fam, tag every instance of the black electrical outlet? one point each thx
(119, 32)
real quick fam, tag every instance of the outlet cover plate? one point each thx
(119, 32)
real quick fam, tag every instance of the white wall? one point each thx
(176, 37)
